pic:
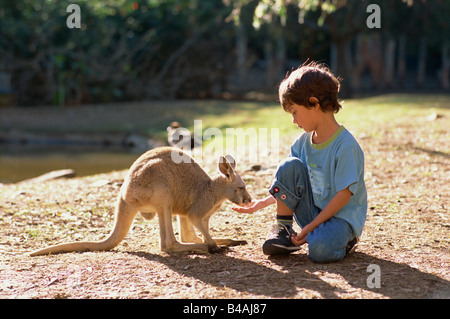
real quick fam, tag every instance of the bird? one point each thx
(181, 137)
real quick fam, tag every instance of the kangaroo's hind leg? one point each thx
(202, 224)
(187, 232)
(167, 238)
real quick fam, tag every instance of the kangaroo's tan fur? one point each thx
(156, 184)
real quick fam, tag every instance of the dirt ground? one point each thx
(406, 235)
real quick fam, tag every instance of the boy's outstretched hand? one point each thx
(250, 208)
(254, 205)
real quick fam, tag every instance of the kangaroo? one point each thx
(166, 181)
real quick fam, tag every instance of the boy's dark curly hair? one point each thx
(310, 80)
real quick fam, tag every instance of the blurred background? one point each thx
(91, 98)
(182, 49)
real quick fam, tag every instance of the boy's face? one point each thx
(305, 118)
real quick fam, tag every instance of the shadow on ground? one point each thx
(287, 276)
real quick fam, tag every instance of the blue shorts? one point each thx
(292, 186)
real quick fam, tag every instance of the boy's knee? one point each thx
(291, 166)
(291, 163)
(290, 181)
(321, 252)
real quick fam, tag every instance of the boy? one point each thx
(321, 184)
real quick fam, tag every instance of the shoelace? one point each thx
(286, 228)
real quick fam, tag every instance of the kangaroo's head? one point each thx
(236, 190)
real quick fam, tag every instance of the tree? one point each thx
(124, 50)
(242, 16)
(438, 37)
(340, 18)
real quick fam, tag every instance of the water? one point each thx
(20, 162)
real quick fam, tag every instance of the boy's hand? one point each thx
(300, 239)
(334, 205)
(250, 208)
(255, 205)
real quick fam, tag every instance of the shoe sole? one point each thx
(276, 249)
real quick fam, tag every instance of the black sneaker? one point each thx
(351, 245)
(278, 241)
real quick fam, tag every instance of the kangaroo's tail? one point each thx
(124, 216)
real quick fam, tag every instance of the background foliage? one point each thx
(154, 49)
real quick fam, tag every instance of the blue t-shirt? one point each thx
(333, 166)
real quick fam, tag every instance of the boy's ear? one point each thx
(313, 101)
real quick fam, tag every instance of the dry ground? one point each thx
(406, 235)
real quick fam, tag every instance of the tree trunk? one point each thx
(280, 58)
(421, 70)
(401, 63)
(376, 60)
(333, 57)
(358, 62)
(269, 57)
(275, 57)
(389, 58)
(342, 71)
(241, 53)
(444, 71)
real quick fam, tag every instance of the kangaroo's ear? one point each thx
(231, 160)
(225, 167)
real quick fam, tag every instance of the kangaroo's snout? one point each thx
(243, 197)
(242, 201)
(247, 199)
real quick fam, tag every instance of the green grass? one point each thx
(356, 112)
(367, 116)
(392, 108)
(151, 118)
(363, 114)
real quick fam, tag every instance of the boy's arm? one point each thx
(336, 204)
